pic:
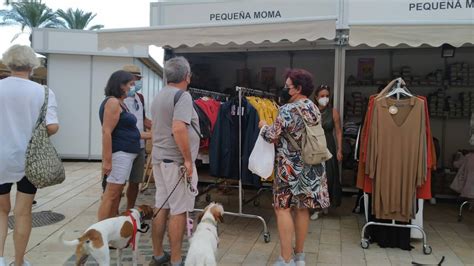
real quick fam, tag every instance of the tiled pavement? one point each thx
(334, 239)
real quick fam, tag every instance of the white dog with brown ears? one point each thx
(203, 249)
(118, 232)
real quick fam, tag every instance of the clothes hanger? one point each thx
(399, 89)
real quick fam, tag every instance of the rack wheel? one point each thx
(208, 198)
(427, 250)
(459, 218)
(364, 243)
(266, 237)
(256, 202)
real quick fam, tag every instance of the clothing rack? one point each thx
(365, 243)
(206, 92)
(266, 234)
(397, 89)
(469, 202)
(254, 92)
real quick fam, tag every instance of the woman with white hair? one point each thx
(20, 104)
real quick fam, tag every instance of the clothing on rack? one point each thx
(396, 156)
(267, 111)
(224, 144)
(463, 183)
(296, 184)
(210, 109)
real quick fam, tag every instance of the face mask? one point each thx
(285, 95)
(138, 85)
(323, 101)
(132, 91)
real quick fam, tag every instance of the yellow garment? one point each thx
(267, 111)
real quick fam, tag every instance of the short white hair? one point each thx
(20, 58)
(176, 69)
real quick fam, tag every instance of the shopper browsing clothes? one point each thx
(136, 104)
(175, 144)
(20, 103)
(331, 122)
(120, 141)
(297, 186)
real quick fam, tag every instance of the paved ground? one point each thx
(334, 239)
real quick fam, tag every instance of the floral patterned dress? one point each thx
(296, 184)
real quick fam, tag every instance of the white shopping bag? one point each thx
(262, 158)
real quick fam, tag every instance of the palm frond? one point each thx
(76, 19)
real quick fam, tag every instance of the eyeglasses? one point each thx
(289, 86)
(324, 86)
(136, 105)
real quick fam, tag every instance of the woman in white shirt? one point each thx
(20, 105)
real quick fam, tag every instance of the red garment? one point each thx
(364, 182)
(211, 108)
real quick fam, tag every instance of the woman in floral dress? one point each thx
(297, 186)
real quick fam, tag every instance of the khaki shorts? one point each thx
(166, 177)
(138, 168)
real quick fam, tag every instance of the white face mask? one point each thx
(323, 101)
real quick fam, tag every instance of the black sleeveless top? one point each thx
(125, 136)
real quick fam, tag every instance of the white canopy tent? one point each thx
(174, 37)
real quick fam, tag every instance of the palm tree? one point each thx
(77, 19)
(29, 14)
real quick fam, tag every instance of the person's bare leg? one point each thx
(176, 232)
(132, 194)
(158, 230)
(110, 201)
(5, 208)
(286, 230)
(301, 228)
(21, 233)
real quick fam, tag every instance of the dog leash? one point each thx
(190, 189)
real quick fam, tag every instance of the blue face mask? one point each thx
(138, 85)
(134, 89)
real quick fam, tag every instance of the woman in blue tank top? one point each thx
(120, 141)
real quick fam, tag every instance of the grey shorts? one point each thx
(166, 177)
(138, 168)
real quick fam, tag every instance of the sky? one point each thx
(110, 13)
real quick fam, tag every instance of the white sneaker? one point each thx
(3, 262)
(300, 259)
(315, 216)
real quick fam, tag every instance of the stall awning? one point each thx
(433, 35)
(238, 34)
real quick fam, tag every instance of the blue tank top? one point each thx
(125, 136)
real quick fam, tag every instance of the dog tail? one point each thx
(74, 242)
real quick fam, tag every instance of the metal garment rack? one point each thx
(469, 202)
(208, 93)
(364, 242)
(266, 233)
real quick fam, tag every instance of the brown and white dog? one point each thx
(118, 232)
(203, 248)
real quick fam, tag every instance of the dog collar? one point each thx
(209, 221)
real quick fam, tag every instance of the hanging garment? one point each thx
(396, 156)
(224, 144)
(332, 165)
(267, 111)
(210, 108)
(463, 183)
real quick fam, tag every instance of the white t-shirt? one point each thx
(135, 106)
(20, 104)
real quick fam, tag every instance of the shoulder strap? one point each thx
(44, 108)
(292, 141)
(142, 99)
(177, 96)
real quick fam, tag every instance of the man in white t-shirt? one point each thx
(20, 104)
(136, 105)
